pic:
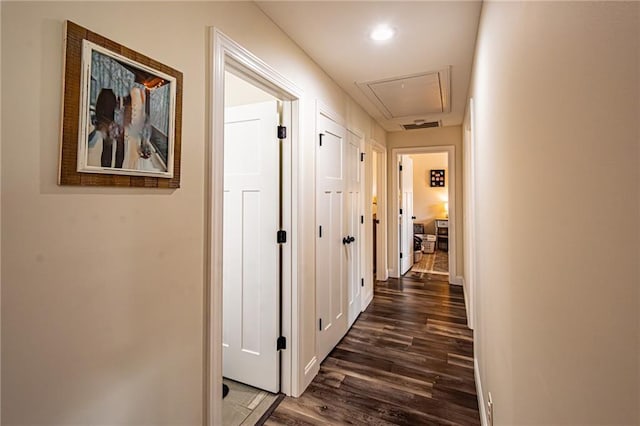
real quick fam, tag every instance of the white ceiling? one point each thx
(430, 36)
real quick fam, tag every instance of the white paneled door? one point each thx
(354, 215)
(406, 229)
(250, 257)
(332, 240)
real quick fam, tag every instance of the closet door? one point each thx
(251, 254)
(354, 227)
(332, 248)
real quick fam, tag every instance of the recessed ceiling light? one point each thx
(382, 33)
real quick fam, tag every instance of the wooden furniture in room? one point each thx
(442, 234)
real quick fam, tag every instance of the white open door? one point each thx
(331, 234)
(406, 229)
(354, 215)
(250, 249)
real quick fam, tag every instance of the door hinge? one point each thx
(400, 211)
(361, 219)
(320, 231)
(320, 324)
(321, 135)
(362, 156)
(281, 343)
(400, 255)
(361, 282)
(400, 167)
(282, 237)
(282, 132)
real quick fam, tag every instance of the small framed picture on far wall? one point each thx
(437, 178)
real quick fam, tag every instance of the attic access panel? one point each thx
(414, 95)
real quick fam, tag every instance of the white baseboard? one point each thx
(456, 281)
(481, 403)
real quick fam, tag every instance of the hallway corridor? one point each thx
(407, 360)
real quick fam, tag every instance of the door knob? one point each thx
(413, 217)
(351, 239)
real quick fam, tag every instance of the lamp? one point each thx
(446, 209)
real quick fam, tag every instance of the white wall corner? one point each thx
(481, 402)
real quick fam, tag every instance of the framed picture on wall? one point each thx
(437, 178)
(127, 116)
(121, 118)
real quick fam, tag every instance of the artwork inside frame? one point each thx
(127, 116)
(437, 178)
(122, 115)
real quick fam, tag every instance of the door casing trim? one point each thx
(394, 252)
(226, 54)
(382, 272)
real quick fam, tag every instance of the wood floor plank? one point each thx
(407, 360)
(416, 386)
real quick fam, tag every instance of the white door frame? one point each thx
(382, 266)
(406, 213)
(229, 55)
(394, 258)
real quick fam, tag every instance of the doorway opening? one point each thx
(378, 200)
(430, 213)
(253, 233)
(252, 257)
(424, 212)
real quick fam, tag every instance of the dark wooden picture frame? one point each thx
(78, 119)
(437, 177)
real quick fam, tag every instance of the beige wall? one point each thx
(102, 298)
(556, 90)
(440, 136)
(428, 201)
(239, 92)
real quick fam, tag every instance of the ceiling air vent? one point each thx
(425, 125)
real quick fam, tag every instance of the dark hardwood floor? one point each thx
(407, 360)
